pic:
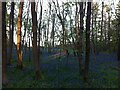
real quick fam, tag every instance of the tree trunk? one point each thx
(118, 53)
(11, 33)
(76, 21)
(39, 31)
(96, 34)
(63, 27)
(80, 36)
(35, 49)
(53, 32)
(119, 49)
(25, 25)
(73, 41)
(1, 36)
(87, 59)
(4, 47)
(108, 29)
(29, 49)
(93, 33)
(102, 23)
(48, 45)
(105, 30)
(19, 25)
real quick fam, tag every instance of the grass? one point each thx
(101, 75)
(23, 79)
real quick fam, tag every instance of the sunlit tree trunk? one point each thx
(11, 33)
(87, 58)
(4, 47)
(19, 25)
(35, 49)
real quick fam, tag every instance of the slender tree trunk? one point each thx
(93, 38)
(25, 25)
(87, 59)
(76, 18)
(118, 53)
(108, 29)
(119, 49)
(29, 49)
(9, 42)
(39, 31)
(105, 30)
(73, 41)
(95, 34)
(1, 36)
(102, 23)
(80, 36)
(35, 49)
(63, 32)
(53, 32)
(19, 51)
(11, 33)
(49, 50)
(97, 30)
(63, 27)
(76, 36)
(4, 46)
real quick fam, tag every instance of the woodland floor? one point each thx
(64, 72)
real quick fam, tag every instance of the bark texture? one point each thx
(19, 25)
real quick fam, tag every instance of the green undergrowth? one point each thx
(104, 77)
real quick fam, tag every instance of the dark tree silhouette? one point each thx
(4, 49)
(11, 33)
(35, 49)
(87, 58)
